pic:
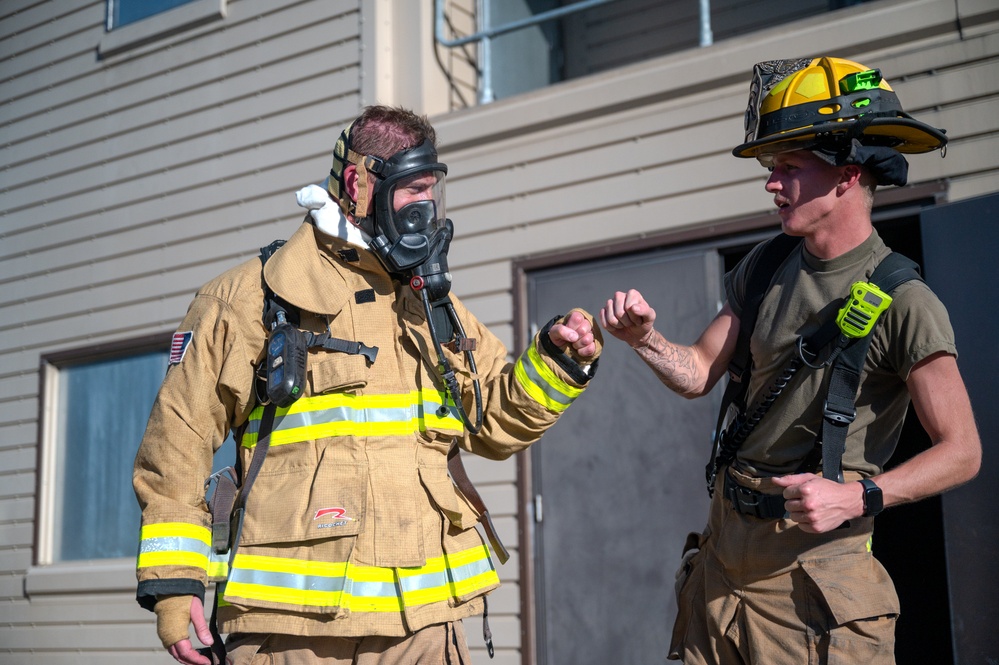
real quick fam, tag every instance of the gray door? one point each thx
(619, 480)
(960, 242)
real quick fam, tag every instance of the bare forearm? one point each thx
(690, 371)
(675, 365)
(943, 467)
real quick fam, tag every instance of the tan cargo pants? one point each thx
(440, 644)
(753, 591)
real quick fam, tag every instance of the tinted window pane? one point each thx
(104, 407)
(123, 12)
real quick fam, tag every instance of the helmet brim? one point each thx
(904, 134)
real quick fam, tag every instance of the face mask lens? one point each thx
(419, 203)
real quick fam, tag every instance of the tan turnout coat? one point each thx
(353, 526)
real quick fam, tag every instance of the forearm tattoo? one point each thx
(673, 364)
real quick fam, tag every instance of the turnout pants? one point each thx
(439, 644)
(755, 591)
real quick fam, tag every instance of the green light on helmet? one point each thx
(868, 80)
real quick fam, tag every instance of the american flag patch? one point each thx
(178, 346)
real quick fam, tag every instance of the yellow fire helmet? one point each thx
(801, 104)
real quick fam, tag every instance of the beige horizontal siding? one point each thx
(29, 26)
(16, 508)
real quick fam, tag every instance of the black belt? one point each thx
(748, 501)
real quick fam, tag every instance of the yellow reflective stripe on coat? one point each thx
(180, 544)
(542, 383)
(341, 414)
(298, 583)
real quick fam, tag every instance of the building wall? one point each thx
(131, 178)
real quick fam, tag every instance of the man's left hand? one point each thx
(574, 331)
(819, 505)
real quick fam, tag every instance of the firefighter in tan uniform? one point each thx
(354, 545)
(784, 574)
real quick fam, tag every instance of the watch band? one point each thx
(873, 499)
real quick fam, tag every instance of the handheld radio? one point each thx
(287, 350)
(863, 307)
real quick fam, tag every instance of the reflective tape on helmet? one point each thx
(340, 414)
(180, 544)
(299, 583)
(542, 383)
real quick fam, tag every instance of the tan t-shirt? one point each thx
(805, 292)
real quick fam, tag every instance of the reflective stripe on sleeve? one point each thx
(542, 383)
(180, 544)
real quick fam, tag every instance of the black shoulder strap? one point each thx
(235, 505)
(772, 255)
(272, 301)
(839, 410)
(740, 367)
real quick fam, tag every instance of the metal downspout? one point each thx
(706, 37)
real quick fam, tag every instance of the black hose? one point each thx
(447, 374)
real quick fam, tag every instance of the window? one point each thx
(132, 24)
(97, 402)
(599, 35)
(123, 12)
(103, 408)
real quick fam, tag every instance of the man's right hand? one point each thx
(629, 318)
(173, 616)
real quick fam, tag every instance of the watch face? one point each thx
(873, 499)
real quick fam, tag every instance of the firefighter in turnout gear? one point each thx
(826, 335)
(352, 379)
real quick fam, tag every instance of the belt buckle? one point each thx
(745, 500)
(749, 501)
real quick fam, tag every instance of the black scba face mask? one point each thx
(413, 241)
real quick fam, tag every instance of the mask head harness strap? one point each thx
(335, 185)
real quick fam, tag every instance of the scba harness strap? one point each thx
(828, 347)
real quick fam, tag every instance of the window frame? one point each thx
(160, 26)
(47, 575)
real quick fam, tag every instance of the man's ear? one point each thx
(850, 176)
(350, 181)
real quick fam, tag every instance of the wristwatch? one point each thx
(873, 500)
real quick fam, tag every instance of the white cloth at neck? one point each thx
(328, 216)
